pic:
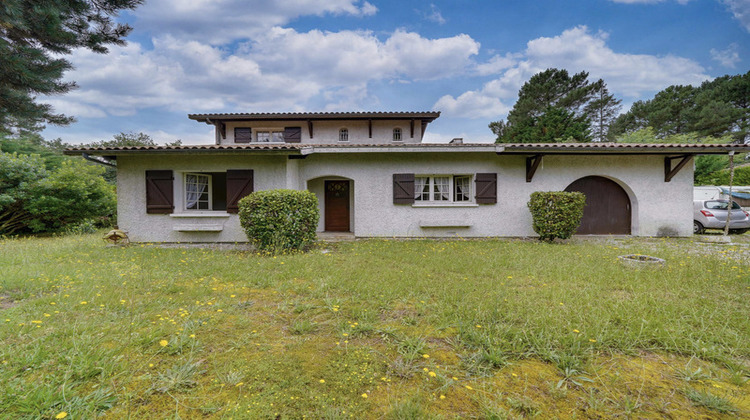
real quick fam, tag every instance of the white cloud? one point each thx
(434, 15)
(577, 49)
(741, 11)
(497, 63)
(727, 57)
(222, 21)
(472, 104)
(280, 70)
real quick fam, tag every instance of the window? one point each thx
(205, 191)
(396, 134)
(721, 205)
(461, 188)
(269, 136)
(443, 188)
(344, 134)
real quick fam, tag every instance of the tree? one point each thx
(717, 108)
(33, 36)
(602, 110)
(35, 144)
(33, 199)
(569, 102)
(124, 139)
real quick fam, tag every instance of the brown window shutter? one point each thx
(486, 188)
(292, 134)
(239, 184)
(243, 135)
(159, 192)
(403, 189)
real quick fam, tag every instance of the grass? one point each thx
(374, 329)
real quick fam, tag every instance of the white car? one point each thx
(712, 214)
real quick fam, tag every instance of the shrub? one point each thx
(556, 214)
(34, 199)
(280, 220)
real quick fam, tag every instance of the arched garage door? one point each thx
(607, 208)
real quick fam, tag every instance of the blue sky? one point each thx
(466, 58)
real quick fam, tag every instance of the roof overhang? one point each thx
(315, 116)
(623, 149)
(599, 149)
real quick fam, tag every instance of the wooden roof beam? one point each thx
(670, 172)
(532, 163)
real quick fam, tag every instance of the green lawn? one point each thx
(373, 329)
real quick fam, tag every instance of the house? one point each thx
(375, 178)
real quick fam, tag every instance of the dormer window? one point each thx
(396, 134)
(344, 134)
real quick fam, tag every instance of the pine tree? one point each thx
(602, 111)
(553, 106)
(33, 35)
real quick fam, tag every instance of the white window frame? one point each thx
(270, 131)
(185, 192)
(418, 196)
(344, 135)
(398, 135)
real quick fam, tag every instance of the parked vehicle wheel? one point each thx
(698, 228)
(737, 231)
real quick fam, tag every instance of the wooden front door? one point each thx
(337, 206)
(607, 209)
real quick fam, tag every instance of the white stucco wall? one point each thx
(269, 172)
(655, 204)
(327, 132)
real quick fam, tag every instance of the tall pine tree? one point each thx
(554, 106)
(33, 36)
(602, 111)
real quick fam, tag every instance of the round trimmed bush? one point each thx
(276, 221)
(556, 214)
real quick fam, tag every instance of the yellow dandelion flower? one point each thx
(478, 326)
(576, 331)
(442, 397)
(592, 340)
(163, 343)
(426, 356)
(322, 381)
(364, 395)
(61, 415)
(514, 374)
(432, 374)
(240, 384)
(468, 387)
(83, 302)
(150, 365)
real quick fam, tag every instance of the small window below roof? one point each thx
(397, 134)
(344, 134)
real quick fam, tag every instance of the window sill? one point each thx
(444, 224)
(418, 205)
(207, 214)
(198, 228)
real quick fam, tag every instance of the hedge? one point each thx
(556, 214)
(277, 221)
